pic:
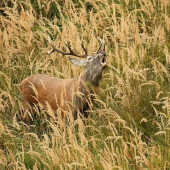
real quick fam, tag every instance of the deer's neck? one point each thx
(89, 83)
(91, 79)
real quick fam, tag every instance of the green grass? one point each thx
(128, 127)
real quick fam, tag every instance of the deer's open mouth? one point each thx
(103, 61)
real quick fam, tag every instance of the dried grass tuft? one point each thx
(129, 123)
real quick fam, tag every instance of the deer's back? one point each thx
(47, 89)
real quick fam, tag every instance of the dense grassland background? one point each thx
(129, 125)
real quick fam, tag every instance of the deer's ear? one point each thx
(78, 62)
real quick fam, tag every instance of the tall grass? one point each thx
(129, 125)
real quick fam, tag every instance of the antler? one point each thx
(71, 52)
(102, 44)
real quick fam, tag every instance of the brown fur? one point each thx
(72, 94)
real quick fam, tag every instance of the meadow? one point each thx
(128, 126)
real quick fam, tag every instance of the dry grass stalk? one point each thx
(136, 84)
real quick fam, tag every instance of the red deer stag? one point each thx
(65, 95)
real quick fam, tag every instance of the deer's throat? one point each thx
(91, 80)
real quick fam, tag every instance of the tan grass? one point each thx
(129, 125)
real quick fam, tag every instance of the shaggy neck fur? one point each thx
(92, 79)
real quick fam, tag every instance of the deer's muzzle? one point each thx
(103, 59)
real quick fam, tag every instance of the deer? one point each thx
(65, 95)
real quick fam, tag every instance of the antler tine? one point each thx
(99, 49)
(71, 52)
(59, 51)
(69, 47)
(102, 44)
(82, 45)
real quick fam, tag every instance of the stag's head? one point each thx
(94, 64)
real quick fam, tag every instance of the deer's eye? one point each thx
(89, 59)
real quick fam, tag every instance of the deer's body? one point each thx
(65, 94)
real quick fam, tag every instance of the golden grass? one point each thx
(129, 125)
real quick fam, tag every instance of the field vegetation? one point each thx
(129, 124)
